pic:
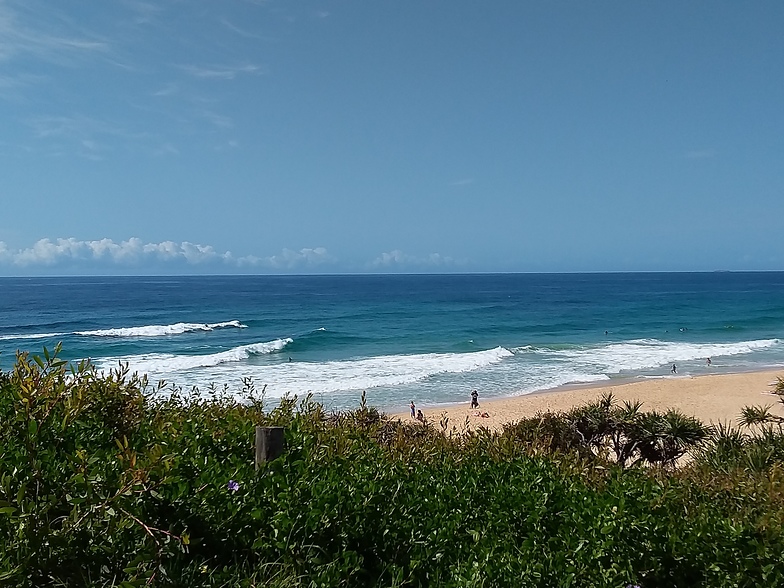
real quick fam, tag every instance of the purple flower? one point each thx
(632, 586)
(233, 486)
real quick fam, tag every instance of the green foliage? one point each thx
(778, 387)
(107, 482)
(630, 435)
(755, 452)
(753, 416)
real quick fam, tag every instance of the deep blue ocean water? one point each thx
(430, 338)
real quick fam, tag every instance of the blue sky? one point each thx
(272, 136)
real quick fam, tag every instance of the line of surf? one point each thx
(317, 377)
(642, 354)
(163, 363)
(161, 330)
(129, 332)
(31, 336)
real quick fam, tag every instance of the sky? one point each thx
(303, 136)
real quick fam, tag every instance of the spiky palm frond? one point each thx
(758, 415)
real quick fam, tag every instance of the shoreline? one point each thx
(712, 398)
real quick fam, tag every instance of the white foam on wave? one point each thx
(523, 376)
(161, 330)
(643, 354)
(31, 336)
(547, 379)
(163, 365)
(317, 377)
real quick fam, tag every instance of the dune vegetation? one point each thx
(107, 481)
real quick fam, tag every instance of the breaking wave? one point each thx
(161, 330)
(642, 354)
(161, 364)
(31, 336)
(143, 331)
(301, 377)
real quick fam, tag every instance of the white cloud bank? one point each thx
(134, 251)
(133, 255)
(289, 259)
(398, 259)
(48, 252)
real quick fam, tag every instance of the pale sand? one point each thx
(711, 398)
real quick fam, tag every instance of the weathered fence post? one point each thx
(269, 444)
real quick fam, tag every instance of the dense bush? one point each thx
(625, 433)
(105, 482)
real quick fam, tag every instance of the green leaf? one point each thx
(10, 573)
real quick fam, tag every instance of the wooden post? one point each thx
(269, 444)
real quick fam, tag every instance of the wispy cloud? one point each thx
(144, 12)
(218, 120)
(75, 126)
(83, 135)
(168, 90)
(289, 259)
(93, 150)
(400, 260)
(45, 38)
(12, 86)
(240, 31)
(221, 72)
(463, 182)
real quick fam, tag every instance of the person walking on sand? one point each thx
(674, 369)
(413, 409)
(474, 399)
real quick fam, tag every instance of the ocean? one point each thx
(427, 338)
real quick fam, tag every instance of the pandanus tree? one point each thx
(669, 436)
(761, 415)
(630, 435)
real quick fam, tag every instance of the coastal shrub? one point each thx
(624, 433)
(757, 450)
(753, 416)
(105, 481)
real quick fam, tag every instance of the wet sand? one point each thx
(711, 398)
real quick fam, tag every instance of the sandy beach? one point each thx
(711, 398)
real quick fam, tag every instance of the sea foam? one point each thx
(161, 330)
(643, 354)
(160, 365)
(142, 331)
(303, 377)
(31, 336)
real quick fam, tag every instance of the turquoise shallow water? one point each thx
(431, 338)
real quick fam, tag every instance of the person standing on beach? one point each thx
(474, 399)
(413, 410)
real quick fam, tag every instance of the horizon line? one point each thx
(376, 274)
